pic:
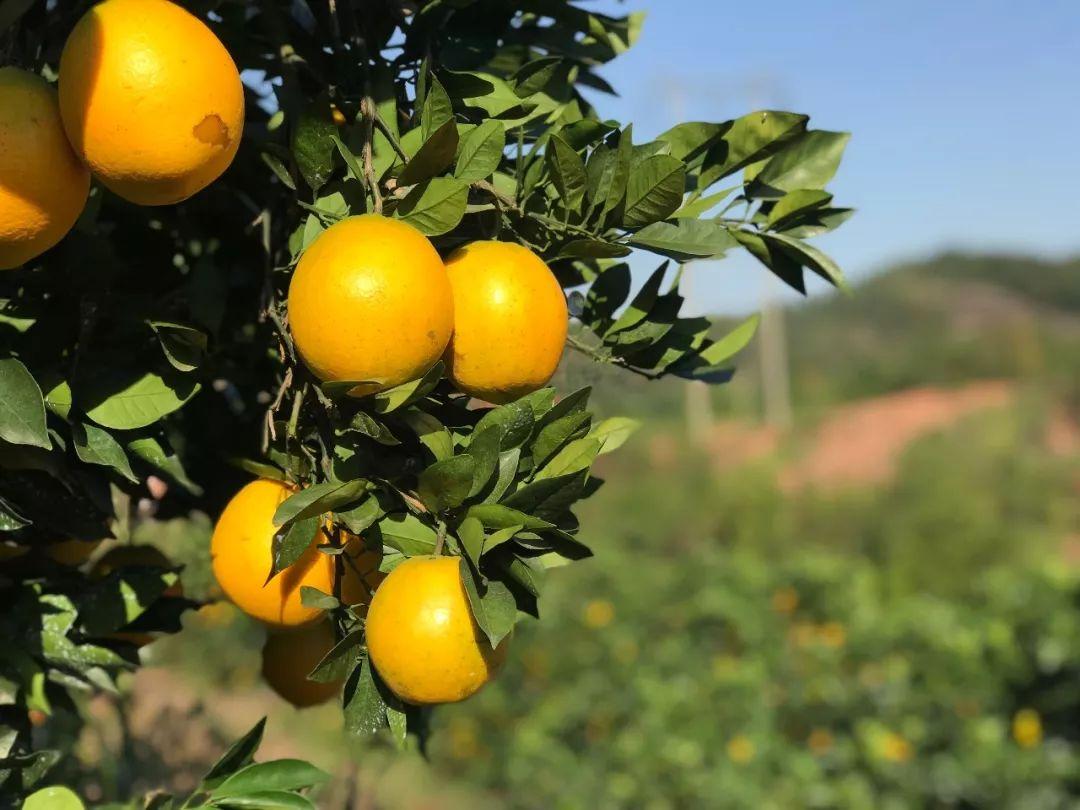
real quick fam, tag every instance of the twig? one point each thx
(505, 200)
(367, 109)
(384, 128)
(440, 538)
(590, 351)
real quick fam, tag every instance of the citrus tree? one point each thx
(337, 248)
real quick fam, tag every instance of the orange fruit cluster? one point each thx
(371, 302)
(149, 102)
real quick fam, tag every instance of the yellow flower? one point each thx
(894, 748)
(740, 749)
(1027, 728)
(820, 742)
(832, 634)
(785, 600)
(599, 613)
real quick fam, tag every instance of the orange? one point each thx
(510, 321)
(288, 658)
(370, 302)
(74, 553)
(121, 557)
(241, 553)
(151, 100)
(361, 574)
(43, 186)
(422, 637)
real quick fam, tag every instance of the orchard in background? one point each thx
(420, 197)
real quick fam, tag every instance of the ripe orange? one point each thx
(74, 553)
(288, 658)
(370, 301)
(422, 637)
(121, 557)
(151, 100)
(510, 321)
(43, 186)
(241, 553)
(361, 574)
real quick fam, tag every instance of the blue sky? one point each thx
(965, 116)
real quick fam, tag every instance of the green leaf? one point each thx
(446, 484)
(407, 393)
(492, 605)
(592, 249)
(53, 798)
(370, 426)
(435, 155)
(575, 456)
(748, 140)
(471, 535)
(732, 343)
(811, 257)
(279, 774)
(654, 191)
(437, 110)
(484, 450)
(606, 295)
(340, 661)
(690, 139)
(805, 224)
(499, 516)
(549, 498)
(515, 420)
(557, 433)
(22, 408)
(365, 709)
(642, 304)
(406, 533)
(360, 517)
(481, 152)
(290, 543)
(351, 161)
(266, 800)
(184, 346)
(567, 173)
(278, 168)
(435, 206)
(94, 445)
(314, 598)
(509, 461)
(240, 754)
(431, 433)
(150, 451)
(685, 239)
(807, 163)
(317, 499)
(532, 77)
(312, 143)
(696, 207)
(613, 432)
(489, 93)
(122, 401)
(58, 399)
(795, 203)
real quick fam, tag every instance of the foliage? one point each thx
(796, 651)
(154, 342)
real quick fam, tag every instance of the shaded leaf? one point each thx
(22, 407)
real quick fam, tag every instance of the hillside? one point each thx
(952, 319)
